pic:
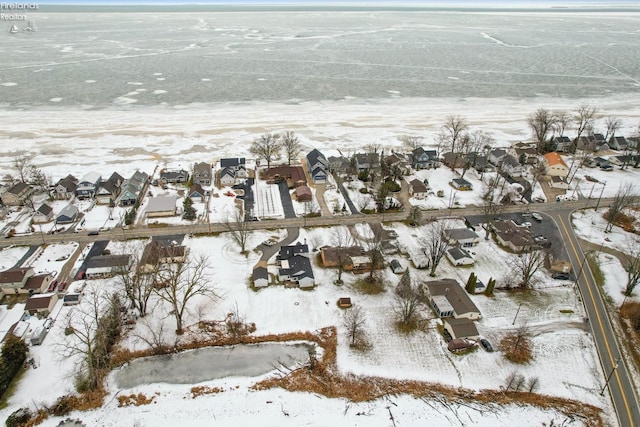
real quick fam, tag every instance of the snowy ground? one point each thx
(276, 310)
(590, 225)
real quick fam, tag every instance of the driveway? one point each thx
(97, 249)
(269, 251)
(287, 204)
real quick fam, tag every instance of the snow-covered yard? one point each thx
(590, 225)
(564, 358)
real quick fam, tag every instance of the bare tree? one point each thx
(525, 265)
(491, 206)
(625, 197)
(180, 282)
(452, 134)
(138, 282)
(632, 265)
(472, 145)
(354, 321)
(541, 123)
(612, 124)
(375, 255)
(341, 239)
(22, 165)
(436, 245)
(291, 145)
(412, 142)
(583, 119)
(238, 229)
(266, 147)
(406, 300)
(92, 330)
(561, 122)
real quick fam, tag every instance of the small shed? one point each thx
(344, 302)
(43, 214)
(261, 275)
(304, 194)
(396, 267)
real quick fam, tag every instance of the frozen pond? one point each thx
(204, 364)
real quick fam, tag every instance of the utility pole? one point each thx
(516, 316)
(600, 197)
(610, 375)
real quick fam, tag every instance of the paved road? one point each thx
(620, 387)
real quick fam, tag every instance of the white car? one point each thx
(536, 216)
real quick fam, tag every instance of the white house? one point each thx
(449, 299)
(555, 165)
(464, 237)
(43, 214)
(417, 189)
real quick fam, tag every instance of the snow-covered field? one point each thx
(564, 357)
(590, 225)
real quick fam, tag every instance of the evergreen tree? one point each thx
(490, 286)
(471, 283)
(188, 211)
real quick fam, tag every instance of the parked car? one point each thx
(542, 241)
(93, 233)
(561, 276)
(52, 286)
(62, 286)
(486, 345)
(536, 216)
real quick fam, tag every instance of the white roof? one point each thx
(91, 177)
(161, 204)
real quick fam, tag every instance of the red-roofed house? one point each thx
(555, 166)
(38, 283)
(41, 303)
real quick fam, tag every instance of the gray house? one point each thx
(424, 159)
(68, 215)
(202, 173)
(318, 166)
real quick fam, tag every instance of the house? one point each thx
(525, 153)
(496, 155)
(295, 265)
(161, 252)
(293, 175)
(196, 193)
(104, 266)
(595, 142)
(417, 189)
(512, 167)
(37, 283)
(174, 176)
(318, 166)
(459, 256)
(233, 171)
(562, 144)
(461, 329)
(618, 143)
(508, 234)
(108, 190)
(449, 299)
(367, 161)
(464, 237)
(461, 184)
(339, 165)
(88, 185)
(17, 195)
(43, 214)
(132, 189)
(260, 275)
(558, 182)
(161, 206)
(65, 189)
(12, 281)
(41, 304)
(398, 163)
(481, 164)
(202, 173)
(396, 267)
(68, 214)
(352, 258)
(303, 194)
(555, 165)
(424, 159)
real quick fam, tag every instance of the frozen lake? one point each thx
(205, 364)
(116, 60)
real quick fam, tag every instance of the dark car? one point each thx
(486, 345)
(61, 286)
(93, 233)
(561, 276)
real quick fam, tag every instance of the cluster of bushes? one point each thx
(14, 353)
(130, 216)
